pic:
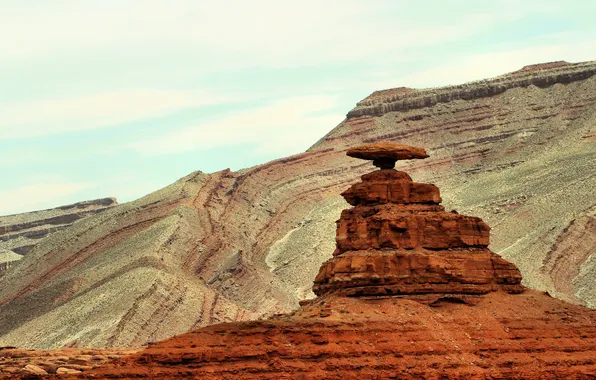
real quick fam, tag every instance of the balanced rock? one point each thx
(384, 154)
(397, 240)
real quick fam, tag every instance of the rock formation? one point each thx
(541, 75)
(232, 246)
(398, 241)
(33, 364)
(414, 293)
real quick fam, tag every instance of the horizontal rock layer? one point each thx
(378, 104)
(387, 150)
(394, 226)
(434, 274)
(530, 336)
(390, 186)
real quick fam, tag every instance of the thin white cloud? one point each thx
(231, 34)
(51, 116)
(288, 125)
(38, 196)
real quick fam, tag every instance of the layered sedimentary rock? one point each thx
(362, 328)
(541, 75)
(19, 233)
(521, 159)
(528, 335)
(397, 240)
(572, 256)
(235, 245)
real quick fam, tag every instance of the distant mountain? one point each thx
(518, 150)
(19, 233)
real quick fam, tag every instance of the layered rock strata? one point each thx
(383, 328)
(235, 245)
(541, 75)
(397, 240)
(19, 233)
(523, 336)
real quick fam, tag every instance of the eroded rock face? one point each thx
(385, 153)
(397, 240)
(503, 336)
(540, 75)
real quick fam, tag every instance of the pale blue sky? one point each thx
(119, 98)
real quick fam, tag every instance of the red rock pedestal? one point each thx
(397, 240)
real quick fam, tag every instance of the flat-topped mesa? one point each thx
(398, 241)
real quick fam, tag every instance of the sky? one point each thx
(112, 98)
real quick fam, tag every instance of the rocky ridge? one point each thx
(222, 247)
(542, 76)
(527, 336)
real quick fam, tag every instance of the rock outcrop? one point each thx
(542, 75)
(232, 246)
(397, 240)
(572, 256)
(34, 364)
(526, 336)
(361, 327)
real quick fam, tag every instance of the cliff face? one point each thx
(403, 99)
(235, 245)
(19, 233)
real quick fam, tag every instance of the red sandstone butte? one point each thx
(411, 292)
(397, 240)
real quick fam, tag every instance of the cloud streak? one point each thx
(38, 196)
(244, 34)
(283, 126)
(51, 116)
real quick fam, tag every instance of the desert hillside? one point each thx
(518, 150)
(19, 233)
